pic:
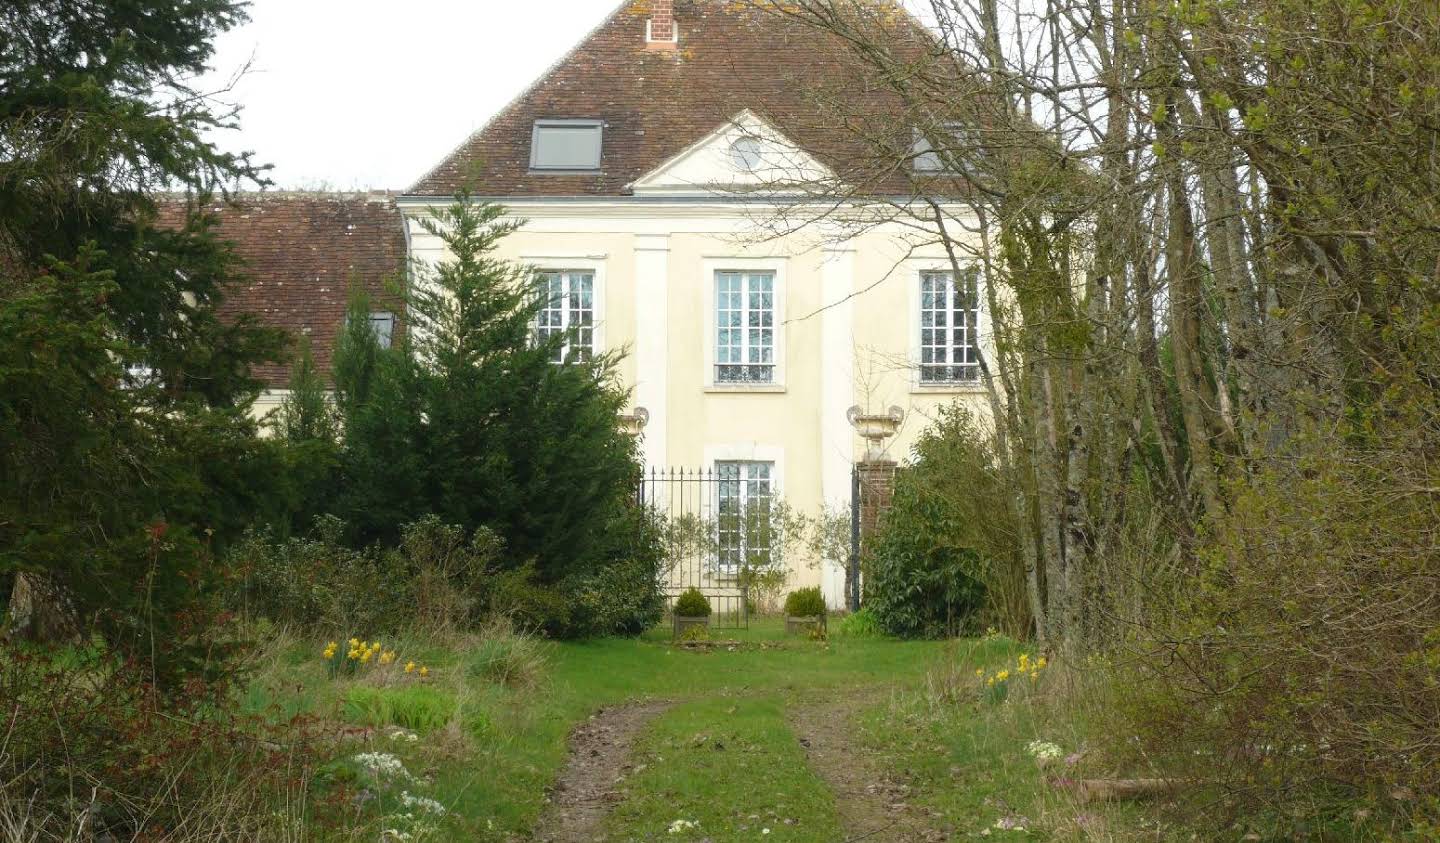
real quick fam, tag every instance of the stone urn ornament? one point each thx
(875, 428)
(633, 423)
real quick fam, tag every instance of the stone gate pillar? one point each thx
(873, 490)
(877, 490)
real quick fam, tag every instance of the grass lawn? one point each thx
(494, 716)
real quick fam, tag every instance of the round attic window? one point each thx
(747, 153)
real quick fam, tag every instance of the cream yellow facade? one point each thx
(847, 311)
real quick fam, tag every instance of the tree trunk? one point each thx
(40, 612)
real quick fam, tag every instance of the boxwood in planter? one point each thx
(805, 611)
(692, 609)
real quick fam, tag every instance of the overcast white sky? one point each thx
(360, 94)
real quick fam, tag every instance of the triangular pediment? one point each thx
(744, 155)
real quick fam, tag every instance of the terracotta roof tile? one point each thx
(657, 103)
(302, 255)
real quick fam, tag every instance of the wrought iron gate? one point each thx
(717, 529)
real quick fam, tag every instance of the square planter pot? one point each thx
(804, 625)
(684, 622)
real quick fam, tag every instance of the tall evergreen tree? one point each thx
(127, 454)
(470, 419)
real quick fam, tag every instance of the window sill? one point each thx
(947, 389)
(771, 388)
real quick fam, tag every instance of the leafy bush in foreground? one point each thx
(927, 570)
(438, 579)
(87, 740)
(861, 624)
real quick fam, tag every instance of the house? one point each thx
(660, 165)
(667, 168)
(303, 254)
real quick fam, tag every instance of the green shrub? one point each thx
(805, 603)
(692, 604)
(1298, 668)
(418, 707)
(623, 595)
(861, 624)
(940, 558)
(436, 579)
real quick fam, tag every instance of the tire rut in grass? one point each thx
(873, 804)
(599, 759)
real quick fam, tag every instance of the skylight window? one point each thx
(566, 145)
(962, 152)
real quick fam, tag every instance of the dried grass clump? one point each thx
(90, 751)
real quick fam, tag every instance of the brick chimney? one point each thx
(660, 30)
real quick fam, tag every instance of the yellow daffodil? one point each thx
(1002, 676)
(410, 667)
(979, 671)
(1041, 663)
(424, 672)
(365, 656)
(353, 654)
(354, 643)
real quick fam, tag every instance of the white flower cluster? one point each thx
(422, 803)
(683, 825)
(383, 766)
(403, 735)
(1044, 750)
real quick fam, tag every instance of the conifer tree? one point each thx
(127, 454)
(470, 418)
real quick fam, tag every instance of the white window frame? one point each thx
(565, 124)
(915, 269)
(712, 268)
(589, 263)
(747, 452)
(748, 478)
(387, 340)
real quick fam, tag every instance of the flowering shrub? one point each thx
(1044, 751)
(997, 683)
(382, 767)
(362, 654)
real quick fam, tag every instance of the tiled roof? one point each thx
(656, 103)
(303, 253)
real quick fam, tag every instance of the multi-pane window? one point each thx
(949, 317)
(382, 323)
(743, 515)
(744, 327)
(567, 309)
